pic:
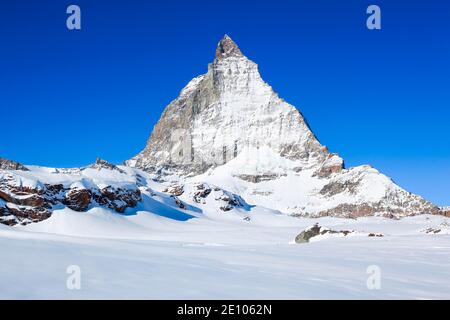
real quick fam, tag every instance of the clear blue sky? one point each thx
(376, 97)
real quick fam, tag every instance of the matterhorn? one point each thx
(230, 127)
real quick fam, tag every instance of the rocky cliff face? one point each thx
(232, 129)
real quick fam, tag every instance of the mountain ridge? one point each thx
(227, 145)
(233, 109)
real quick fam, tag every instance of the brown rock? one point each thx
(178, 202)
(118, 199)
(25, 215)
(330, 166)
(202, 193)
(6, 164)
(227, 48)
(24, 198)
(335, 187)
(350, 211)
(375, 235)
(103, 164)
(175, 189)
(78, 199)
(230, 201)
(304, 236)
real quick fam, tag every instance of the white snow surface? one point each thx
(146, 256)
(159, 251)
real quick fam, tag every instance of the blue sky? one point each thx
(377, 97)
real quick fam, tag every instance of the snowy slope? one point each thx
(358, 191)
(146, 256)
(188, 238)
(38, 193)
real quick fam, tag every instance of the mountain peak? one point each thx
(6, 164)
(227, 48)
(229, 125)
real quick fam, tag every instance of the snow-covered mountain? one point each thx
(231, 127)
(227, 111)
(33, 194)
(227, 147)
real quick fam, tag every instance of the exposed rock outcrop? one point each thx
(175, 189)
(227, 48)
(117, 199)
(333, 164)
(78, 199)
(307, 234)
(203, 191)
(260, 177)
(25, 204)
(103, 164)
(335, 187)
(443, 228)
(25, 199)
(6, 164)
(222, 199)
(178, 202)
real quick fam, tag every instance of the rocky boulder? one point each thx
(317, 230)
(307, 234)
